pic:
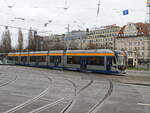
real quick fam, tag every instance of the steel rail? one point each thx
(56, 102)
(9, 82)
(73, 101)
(47, 106)
(97, 106)
(30, 100)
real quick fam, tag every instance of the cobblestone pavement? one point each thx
(36, 90)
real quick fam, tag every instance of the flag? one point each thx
(125, 12)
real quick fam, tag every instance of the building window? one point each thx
(138, 43)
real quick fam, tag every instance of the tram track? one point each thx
(39, 97)
(73, 101)
(47, 106)
(55, 103)
(67, 106)
(97, 106)
(28, 102)
(62, 100)
(9, 82)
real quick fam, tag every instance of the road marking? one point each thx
(142, 104)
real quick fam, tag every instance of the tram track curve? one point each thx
(9, 82)
(48, 106)
(12, 110)
(38, 97)
(97, 106)
(68, 106)
(72, 102)
(57, 101)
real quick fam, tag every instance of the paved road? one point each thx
(35, 90)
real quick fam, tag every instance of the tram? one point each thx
(100, 60)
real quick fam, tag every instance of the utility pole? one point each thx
(36, 40)
(68, 28)
(98, 8)
(148, 21)
(148, 11)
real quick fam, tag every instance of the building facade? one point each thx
(134, 39)
(103, 37)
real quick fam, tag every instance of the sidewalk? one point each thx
(136, 78)
(139, 72)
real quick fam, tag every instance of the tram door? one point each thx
(108, 63)
(37, 61)
(83, 65)
(57, 60)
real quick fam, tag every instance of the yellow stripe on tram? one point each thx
(56, 54)
(68, 54)
(14, 55)
(38, 54)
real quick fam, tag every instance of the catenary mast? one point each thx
(148, 11)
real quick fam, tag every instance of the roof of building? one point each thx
(142, 28)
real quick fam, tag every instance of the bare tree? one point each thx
(91, 45)
(20, 41)
(31, 41)
(30, 35)
(6, 42)
(73, 45)
(58, 45)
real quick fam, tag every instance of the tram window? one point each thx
(10, 58)
(95, 60)
(16, 58)
(32, 58)
(114, 60)
(41, 58)
(59, 59)
(24, 58)
(73, 60)
(109, 60)
(52, 59)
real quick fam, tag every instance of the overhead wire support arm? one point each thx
(8, 26)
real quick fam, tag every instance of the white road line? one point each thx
(142, 104)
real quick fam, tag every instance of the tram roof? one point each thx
(61, 51)
(45, 52)
(90, 51)
(34, 52)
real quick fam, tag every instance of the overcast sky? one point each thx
(80, 14)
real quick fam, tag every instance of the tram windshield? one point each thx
(121, 60)
(121, 57)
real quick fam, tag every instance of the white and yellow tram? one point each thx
(100, 60)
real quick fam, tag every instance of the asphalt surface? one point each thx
(36, 90)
